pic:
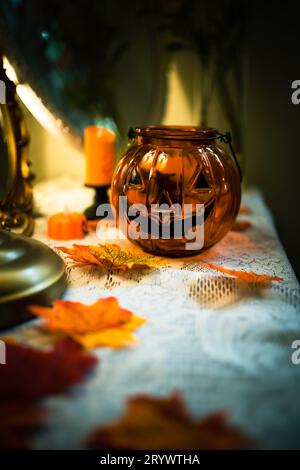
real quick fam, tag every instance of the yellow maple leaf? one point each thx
(246, 276)
(103, 323)
(110, 256)
(113, 337)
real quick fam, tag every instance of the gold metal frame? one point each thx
(16, 201)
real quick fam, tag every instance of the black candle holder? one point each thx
(101, 197)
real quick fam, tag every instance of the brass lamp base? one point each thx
(30, 273)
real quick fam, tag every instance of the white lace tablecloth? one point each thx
(233, 355)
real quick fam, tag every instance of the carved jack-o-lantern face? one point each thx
(166, 176)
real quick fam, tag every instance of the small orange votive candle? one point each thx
(66, 226)
(99, 149)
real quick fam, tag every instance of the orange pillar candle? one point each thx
(66, 226)
(99, 149)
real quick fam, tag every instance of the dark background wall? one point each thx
(272, 121)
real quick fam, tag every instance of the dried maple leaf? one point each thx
(110, 256)
(103, 323)
(30, 375)
(245, 276)
(164, 423)
(241, 225)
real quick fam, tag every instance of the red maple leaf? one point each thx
(32, 374)
(18, 421)
(29, 375)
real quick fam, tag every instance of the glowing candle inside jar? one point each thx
(99, 149)
(67, 226)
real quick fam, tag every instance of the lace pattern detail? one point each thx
(225, 345)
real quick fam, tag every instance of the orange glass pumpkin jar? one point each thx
(181, 166)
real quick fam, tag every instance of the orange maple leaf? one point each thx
(245, 276)
(103, 323)
(244, 210)
(241, 225)
(110, 256)
(92, 224)
(164, 423)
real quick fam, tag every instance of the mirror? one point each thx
(96, 62)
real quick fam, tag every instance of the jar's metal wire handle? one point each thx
(131, 133)
(227, 139)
